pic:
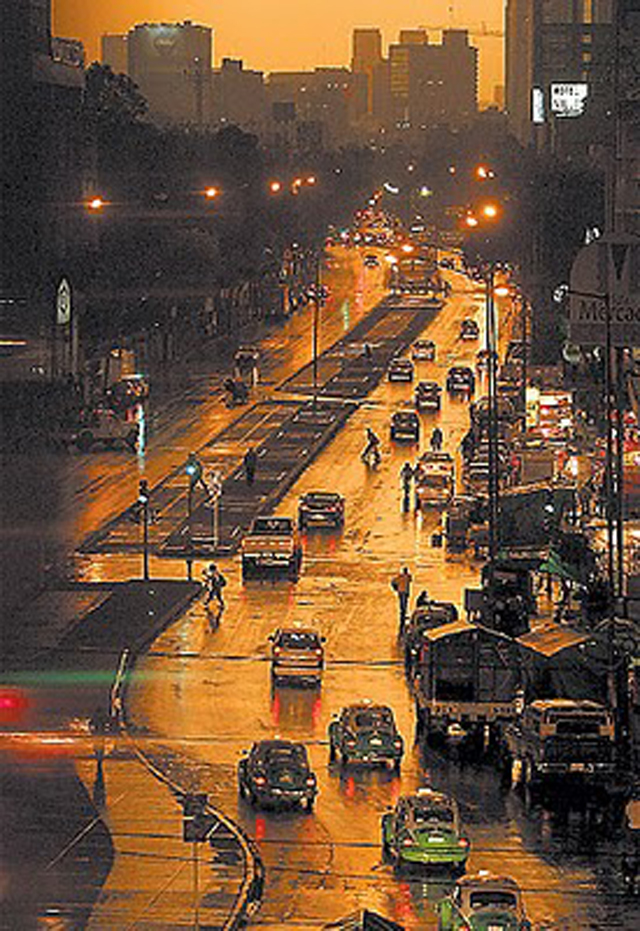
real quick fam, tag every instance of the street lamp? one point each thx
(95, 204)
(211, 192)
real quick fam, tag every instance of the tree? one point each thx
(112, 101)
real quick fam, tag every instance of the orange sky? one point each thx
(272, 35)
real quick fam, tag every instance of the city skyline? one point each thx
(285, 37)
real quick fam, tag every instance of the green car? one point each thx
(483, 903)
(366, 733)
(423, 830)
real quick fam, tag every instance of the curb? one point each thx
(249, 897)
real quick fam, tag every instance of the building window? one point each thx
(587, 12)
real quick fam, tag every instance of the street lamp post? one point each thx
(143, 500)
(493, 485)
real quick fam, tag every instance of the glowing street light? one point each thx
(311, 179)
(211, 193)
(490, 211)
(95, 204)
(407, 247)
(275, 187)
(471, 221)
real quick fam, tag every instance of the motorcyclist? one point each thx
(371, 452)
(436, 439)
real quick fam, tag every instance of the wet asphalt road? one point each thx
(206, 696)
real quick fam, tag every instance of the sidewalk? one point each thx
(92, 832)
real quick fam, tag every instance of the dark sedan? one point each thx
(320, 509)
(277, 773)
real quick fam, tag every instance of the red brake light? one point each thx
(277, 651)
(311, 780)
(463, 842)
(260, 781)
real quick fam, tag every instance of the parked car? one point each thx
(423, 350)
(101, 426)
(371, 261)
(423, 830)
(405, 427)
(320, 509)
(297, 656)
(428, 396)
(400, 369)
(461, 380)
(469, 329)
(483, 902)
(277, 773)
(366, 733)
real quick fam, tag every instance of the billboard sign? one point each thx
(605, 286)
(568, 99)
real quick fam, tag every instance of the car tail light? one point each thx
(397, 743)
(311, 780)
(463, 842)
(260, 781)
(407, 842)
(277, 651)
(350, 743)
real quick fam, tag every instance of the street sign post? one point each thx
(214, 484)
(605, 293)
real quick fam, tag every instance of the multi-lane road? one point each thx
(201, 697)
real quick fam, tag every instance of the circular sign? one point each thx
(572, 354)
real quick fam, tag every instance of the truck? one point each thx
(561, 743)
(468, 681)
(271, 546)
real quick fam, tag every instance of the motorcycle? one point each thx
(371, 456)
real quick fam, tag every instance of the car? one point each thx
(423, 350)
(366, 733)
(272, 544)
(277, 773)
(428, 396)
(320, 509)
(423, 830)
(405, 427)
(483, 902)
(447, 263)
(400, 369)
(461, 380)
(100, 426)
(425, 617)
(371, 261)
(127, 393)
(434, 480)
(297, 656)
(469, 329)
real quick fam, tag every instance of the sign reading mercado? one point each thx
(605, 291)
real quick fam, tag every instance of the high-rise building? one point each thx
(114, 53)
(366, 58)
(41, 159)
(560, 61)
(433, 83)
(171, 64)
(238, 96)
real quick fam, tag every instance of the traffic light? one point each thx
(193, 468)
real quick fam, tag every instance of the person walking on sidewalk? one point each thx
(250, 463)
(406, 476)
(401, 584)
